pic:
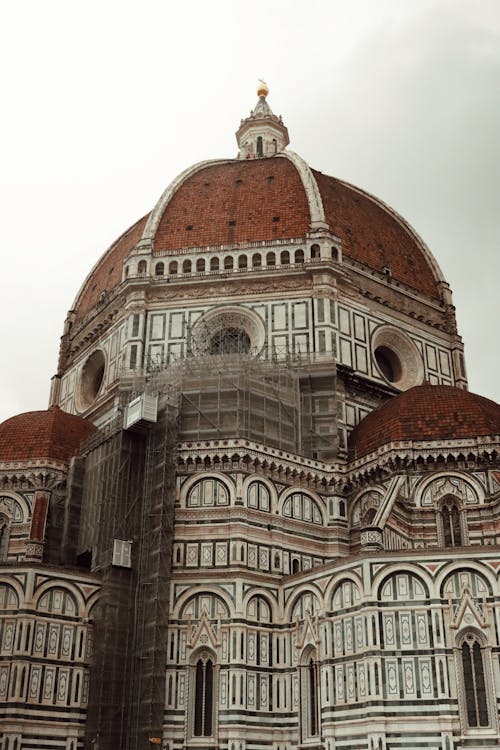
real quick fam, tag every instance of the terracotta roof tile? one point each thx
(371, 235)
(108, 273)
(264, 199)
(240, 201)
(35, 435)
(427, 412)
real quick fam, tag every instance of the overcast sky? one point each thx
(104, 103)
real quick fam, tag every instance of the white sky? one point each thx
(104, 103)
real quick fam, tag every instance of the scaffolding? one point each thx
(126, 488)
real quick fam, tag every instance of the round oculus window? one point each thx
(397, 358)
(230, 341)
(91, 379)
(228, 330)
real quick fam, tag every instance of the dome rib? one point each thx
(375, 235)
(107, 272)
(224, 202)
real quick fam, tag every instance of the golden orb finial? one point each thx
(263, 89)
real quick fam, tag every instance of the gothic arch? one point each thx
(67, 587)
(184, 599)
(307, 589)
(337, 582)
(20, 501)
(385, 576)
(451, 518)
(317, 501)
(192, 481)
(16, 587)
(270, 486)
(421, 489)
(356, 507)
(476, 690)
(469, 567)
(310, 714)
(264, 594)
(203, 694)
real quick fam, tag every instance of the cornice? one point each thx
(245, 455)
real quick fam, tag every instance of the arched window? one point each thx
(335, 253)
(242, 261)
(186, 266)
(258, 496)
(203, 697)
(256, 260)
(58, 601)
(275, 145)
(141, 267)
(299, 256)
(315, 251)
(313, 698)
(309, 694)
(214, 264)
(230, 341)
(172, 268)
(474, 682)
(200, 265)
(260, 146)
(285, 258)
(8, 597)
(4, 537)
(303, 508)
(271, 259)
(228, 263)
(450, 519)
(208, 492)
(259, 610)
(160, 269)
(126, 271)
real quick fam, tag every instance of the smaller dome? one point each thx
(427, 412)
(36, 435)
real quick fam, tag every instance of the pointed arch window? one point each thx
(203, 714)
(313, 698)
(451, 523)
(4, 537)
(309, 695)
(474, 682)
(260, 146)
(451, 526)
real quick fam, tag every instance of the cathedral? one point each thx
(262, 510)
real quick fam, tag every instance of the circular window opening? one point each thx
(397, 358)
(230, 341)
(389, 364)
(91, 378)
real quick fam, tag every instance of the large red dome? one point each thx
(238, 201)
(427, 412)
(36, 435)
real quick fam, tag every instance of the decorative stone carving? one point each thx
(371, 538)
